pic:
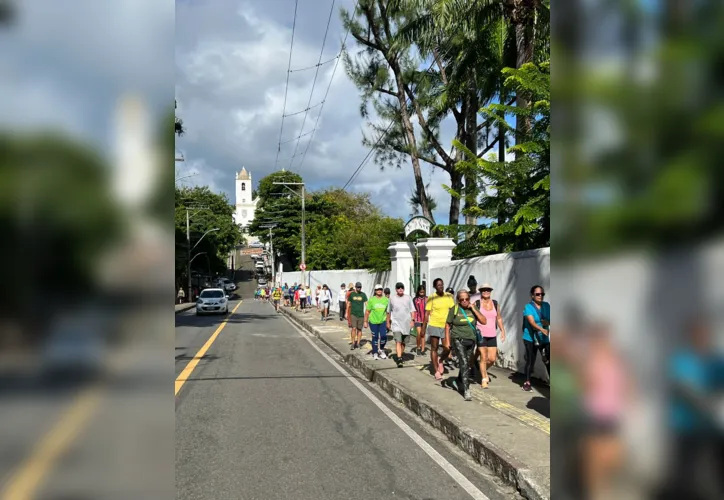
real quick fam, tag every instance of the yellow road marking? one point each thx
(183, 377)
(29, 475)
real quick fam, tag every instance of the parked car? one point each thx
(75, 348)
(212, 300)
(262, 282)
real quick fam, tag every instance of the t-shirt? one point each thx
(378, 307)
(401, 309)
(277, 294)
(460, 327)
(357, 303)
(538, 315)
(439, 306)
(420, 303)
(342, 295)
(325, 295)
(302, 293)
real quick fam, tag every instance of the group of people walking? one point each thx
(462, 327)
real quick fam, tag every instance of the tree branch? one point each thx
(386, 91)
(366, 42)
(445, 81)
(423, 123)
(489, 147)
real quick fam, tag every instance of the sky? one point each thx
(231, 68)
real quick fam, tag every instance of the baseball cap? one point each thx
(399, 285)
(358, 285)
(378, 287)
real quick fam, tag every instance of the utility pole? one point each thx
(188, 246)
(271, 249)
(304, 239)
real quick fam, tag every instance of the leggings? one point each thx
(464, 349)
(531, 352)
(342, 310)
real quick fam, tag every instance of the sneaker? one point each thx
(375, 357)
(383, 355)
(399, 362)
(526, 387)
(353, 347)
(468, 396)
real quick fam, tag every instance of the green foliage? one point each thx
(518, 191)
(57, 217)
(207, 210)
(343, 230)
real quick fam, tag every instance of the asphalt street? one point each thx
(265, 415)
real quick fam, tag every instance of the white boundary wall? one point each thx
(333, 279)
(511, 276)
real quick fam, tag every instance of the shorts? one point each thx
(357, 322)
(487, 342)
(418, 325)
(401, 337)
(436, 331)
(276, 302)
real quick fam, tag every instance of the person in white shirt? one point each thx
(324, 299)
(401, 320)
(342, 299)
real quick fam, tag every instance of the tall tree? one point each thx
(381, 71)
(207, 210)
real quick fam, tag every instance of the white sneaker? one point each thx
(383, 355)
(375, 357)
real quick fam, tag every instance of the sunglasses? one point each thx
(464, 300)
(538, 294)
(486, 290)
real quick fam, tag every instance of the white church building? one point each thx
(245, 205)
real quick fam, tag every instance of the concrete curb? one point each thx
(506, 467)
(186, 307)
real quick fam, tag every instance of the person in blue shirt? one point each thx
(536, 332)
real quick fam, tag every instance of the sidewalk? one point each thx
(184, 307)
(504, 428)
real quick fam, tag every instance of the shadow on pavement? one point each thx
(541, 405)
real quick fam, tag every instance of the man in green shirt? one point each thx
(377, 316)
(356, 313)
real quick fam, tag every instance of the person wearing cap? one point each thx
(402, 320)
(436, 312)
(356, 302)
(377, 316)
(342, 300)
(325, 299)
(487, 351)
(387, 292)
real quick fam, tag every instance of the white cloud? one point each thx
(232, 61)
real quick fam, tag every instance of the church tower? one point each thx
(245, 205)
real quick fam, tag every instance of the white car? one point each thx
(74, 349)
(212, 300)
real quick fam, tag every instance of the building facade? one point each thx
(245, 204)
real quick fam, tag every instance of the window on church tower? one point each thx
(243, 186)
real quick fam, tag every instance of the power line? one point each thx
(286, 88)
(303, 111)
(314, 66)
(314, 83)
(334, 71)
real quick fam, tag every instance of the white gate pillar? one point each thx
(402, 258)
(434, 252)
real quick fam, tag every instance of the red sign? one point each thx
(302, 267)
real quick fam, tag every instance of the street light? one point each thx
(190, 248)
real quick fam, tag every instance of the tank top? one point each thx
(420, 303)
(488, 330)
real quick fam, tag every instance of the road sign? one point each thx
(303, 267)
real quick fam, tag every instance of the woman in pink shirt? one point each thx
(487, 341)
(420, 301)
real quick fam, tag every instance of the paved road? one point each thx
(265, 415)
